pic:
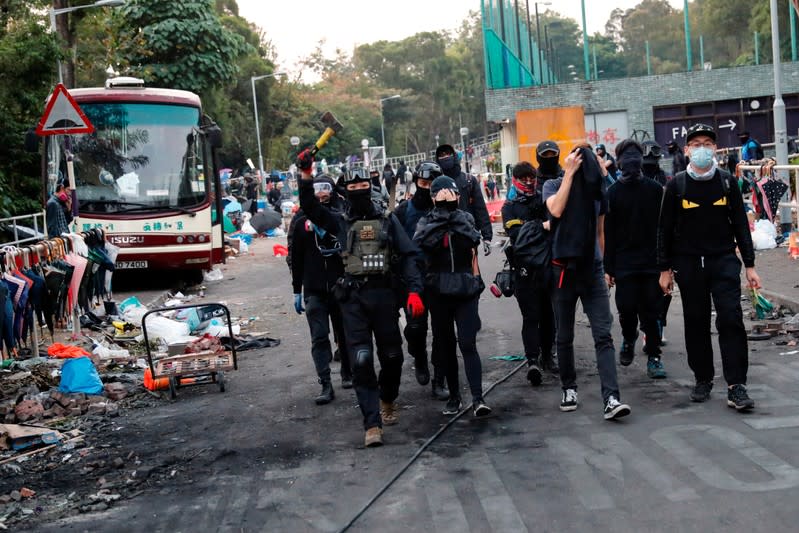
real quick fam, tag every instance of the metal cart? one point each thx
(196, 368)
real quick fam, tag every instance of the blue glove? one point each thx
(298, 304)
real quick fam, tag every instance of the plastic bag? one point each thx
(762, 240)
(213, 275)
(159, 327)
(79, 375)
(766, 227)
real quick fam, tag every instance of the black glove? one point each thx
(305, 160)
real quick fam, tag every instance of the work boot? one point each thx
(440, 391)
(327, 394)
(388, 413)
(422, 371)
(373, 437)
(548, 363)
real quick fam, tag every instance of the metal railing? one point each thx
(771, 170)
(480, 146)
(23, 233)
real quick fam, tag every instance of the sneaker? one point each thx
(701, 392)
(739, 399)
(346, 381)
(453, 407)
(422, 371)
(388, 413)
(533, 373)
(627, 353)
(439, 389)
(479, 408)
(549, 363)
(615, 409)
(373, 437)
(569, 400)
(654, 368)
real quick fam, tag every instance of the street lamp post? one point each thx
(538, 42)
(382, 130)
(253, 79)
(365, 148)
(464, 131)
(780, 121)
(64, 10)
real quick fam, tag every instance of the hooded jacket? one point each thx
(471, 200)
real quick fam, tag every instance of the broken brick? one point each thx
(28, 410)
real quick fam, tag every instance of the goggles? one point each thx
(322, 187)
(428, 174)
(651, 150)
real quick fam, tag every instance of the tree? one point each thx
(26, 61)
(179, 44)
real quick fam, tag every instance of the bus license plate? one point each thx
(131, 264)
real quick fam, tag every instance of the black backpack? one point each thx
(532, 248)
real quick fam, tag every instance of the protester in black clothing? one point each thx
(315, 262)
(390, 182)
(375, 251)
(577, 205)
(409, 213)
(651, 169)
(547, 155)
(630, 258)
(702, 220)
(251, 192)
(678, 160)
(608, 161)
(471, 197)
(274, 195)
(531, 285)
(449, 240)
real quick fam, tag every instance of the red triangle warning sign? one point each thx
(63, 115)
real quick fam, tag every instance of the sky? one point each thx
(296, 28)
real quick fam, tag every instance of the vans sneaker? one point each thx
(568, 401)
(615, 409)
(480, 408)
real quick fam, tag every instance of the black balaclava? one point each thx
(548, 167)
(672, 148)
(360, 202)
(448, 161)
(629, 156)
(422, 199)
(650, 166)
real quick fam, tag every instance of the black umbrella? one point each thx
(266, 220)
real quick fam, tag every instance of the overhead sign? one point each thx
(63, 115)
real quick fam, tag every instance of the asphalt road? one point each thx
(264, 457)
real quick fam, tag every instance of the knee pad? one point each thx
(363, 358)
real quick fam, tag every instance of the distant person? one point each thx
(750, 148)
(390, 181)
(608, 160)
(401, 178)
(492, 187)
(678, 160)
(251, 192)
(274, 196)
(59, 209)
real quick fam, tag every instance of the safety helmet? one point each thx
(427, 170)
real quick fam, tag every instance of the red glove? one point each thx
(305, 160)
(415, 306)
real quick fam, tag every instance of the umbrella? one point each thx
(266, 220)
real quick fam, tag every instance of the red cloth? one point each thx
(66, 351)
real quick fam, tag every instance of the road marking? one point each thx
(317, 465)
(445, 507)
(581, 463)
(498, 505)
(785, 476)
(772, 422)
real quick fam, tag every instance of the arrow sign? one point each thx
(63, 115)
(730, 125)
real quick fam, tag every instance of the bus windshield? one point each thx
(140, 157)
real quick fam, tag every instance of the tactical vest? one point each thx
(368, 249)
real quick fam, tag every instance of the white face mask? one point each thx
(702, 157)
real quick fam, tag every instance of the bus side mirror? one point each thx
(31, 141)
(214, 133)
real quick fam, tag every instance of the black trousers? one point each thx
(322, 310)
(538, 320)
(445, 314)
(367, 313)
(416, 336)
(719, 278)
(639, 298)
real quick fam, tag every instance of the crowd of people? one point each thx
(572, 234)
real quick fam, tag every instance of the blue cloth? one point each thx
(79, 375)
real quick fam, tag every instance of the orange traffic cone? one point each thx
(793, 244)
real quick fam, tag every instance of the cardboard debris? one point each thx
(18, 437)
